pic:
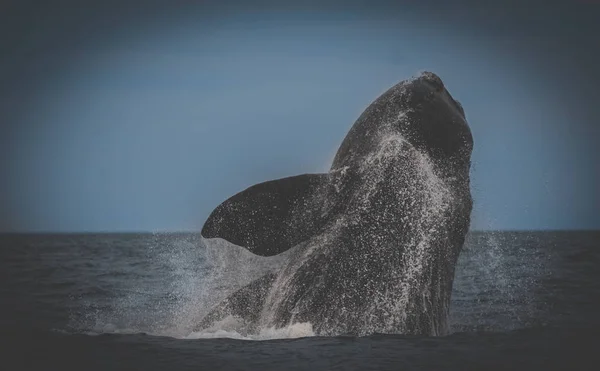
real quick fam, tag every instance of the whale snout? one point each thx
(431, 79)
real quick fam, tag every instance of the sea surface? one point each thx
(521, 300)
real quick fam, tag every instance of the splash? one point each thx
(188, 277)
(377, 237)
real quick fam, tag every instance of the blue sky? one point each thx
(153, 124)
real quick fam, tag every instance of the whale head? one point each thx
(422, 112)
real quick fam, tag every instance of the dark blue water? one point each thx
(130, 301)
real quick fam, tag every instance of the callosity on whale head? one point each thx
(374, 242)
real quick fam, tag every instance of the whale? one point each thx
(370, 246)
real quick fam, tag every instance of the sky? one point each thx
(144, 116)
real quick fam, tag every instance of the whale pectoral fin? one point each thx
(245, 304)
(271, 217)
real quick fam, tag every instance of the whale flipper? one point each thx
(271, 217)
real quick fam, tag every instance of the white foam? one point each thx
(294, 331)
(229, 328)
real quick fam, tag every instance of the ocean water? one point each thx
(521, 300)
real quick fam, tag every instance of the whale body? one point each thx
(370, 246)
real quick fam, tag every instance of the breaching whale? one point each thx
(370, 246)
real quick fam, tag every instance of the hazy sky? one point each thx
(132, 116)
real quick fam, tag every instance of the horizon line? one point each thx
(180, 231)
